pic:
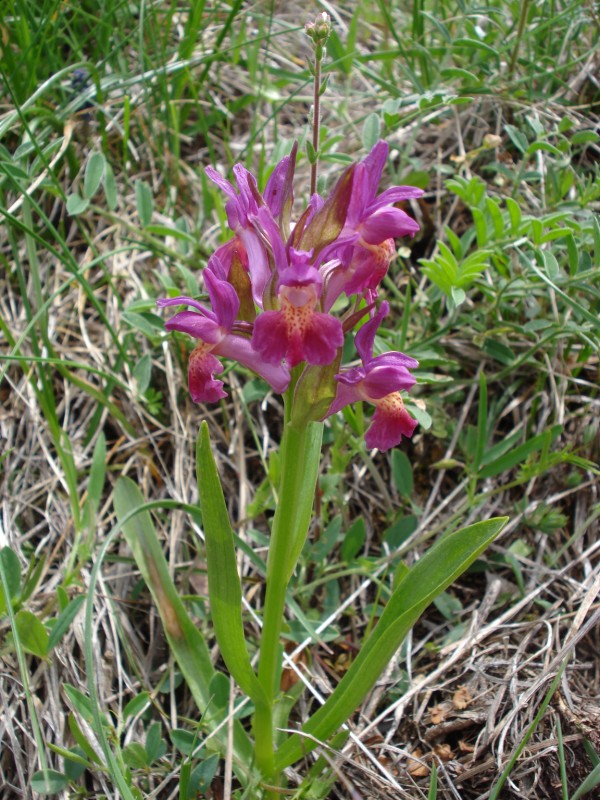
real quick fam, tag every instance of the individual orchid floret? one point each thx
(374, 216)
(366, 244)
(379, 381)
(214, 330)
(235, 269)
(240, 209)
(279, 191)
(297, 331)
(243, 206)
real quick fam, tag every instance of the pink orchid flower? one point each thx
(366, 245)
(214, 330)
(379, 381)
(242, 209)
(297, 331)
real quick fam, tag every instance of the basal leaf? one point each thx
(185, 640)
(433, 573)
(223, 580)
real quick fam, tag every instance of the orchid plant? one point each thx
(283, 298)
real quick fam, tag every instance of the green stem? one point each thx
(316, 121)
(300, 456)
(520, 29)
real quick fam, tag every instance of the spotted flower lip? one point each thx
(297, 331)
(379, 381)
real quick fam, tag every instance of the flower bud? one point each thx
(319, 30)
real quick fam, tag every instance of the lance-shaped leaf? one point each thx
(185, 640)
(433, 573)
(223, 580)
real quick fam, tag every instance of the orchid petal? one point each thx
(383, 380)
(201, 368)
(393, 359)
(346, 394)
(374, 165)
(223, 298)
(390, 423)
(240, 349)
(365, 338)
(258, 263)
(203, 328)
(395, 194)
(182, 300)
(279, 191)
(270, 336)
(221, 182)
(322, 339)
(387, 223)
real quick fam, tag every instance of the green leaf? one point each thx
(145, 323)
(171, 230)
(155, 746)
(371, 130)
(546, 146)
(94, 172)
(75, 763)
(551, 264)
(12, 572)
(402, 473)
(327, 540)
(64, 620)
(142, 372)
(433, 785)
(81, 740)
(144, 202)
(224, 587)
(475, 44)
(432, 574)
(136, 705)
(49, 782)
(592, 780)
(80, 702)
(185, 640)
(202, 776)
(97, 473)
(354, 540)
(514, 212)
(311, 153)
(583, 137)
(76, 204)
(32, 634)
(517, 137)
(482, 422)
(220, 690)
(135, 756)
(520, 453)
(110, 187)
(185, 741)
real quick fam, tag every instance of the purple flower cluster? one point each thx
(273, 287)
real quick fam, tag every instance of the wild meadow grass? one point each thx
(110, 112)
